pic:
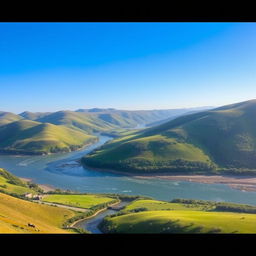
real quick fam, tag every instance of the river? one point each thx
(62, 171)
(91, 225)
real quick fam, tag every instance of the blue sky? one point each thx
(55, 66)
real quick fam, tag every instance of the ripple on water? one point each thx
(43, 170)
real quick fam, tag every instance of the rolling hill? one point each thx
(193, 216)
(15, 214)
(12, 185)
(62, 131)
(33, 115)
(100, 120)
(8, 117)
(78, 121)
(219, 139)
(31, 137)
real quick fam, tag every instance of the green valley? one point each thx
(64, 131)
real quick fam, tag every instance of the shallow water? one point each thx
(61, 171)
(92, 224)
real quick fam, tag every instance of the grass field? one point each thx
(12, 184)
(153, 216)
(15, 214)
(82, 201)
(155, 205)
(183, 222)
(6, 187)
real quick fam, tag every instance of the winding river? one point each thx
(91, 225)
(62, 171)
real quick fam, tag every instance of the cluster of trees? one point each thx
(35, 187)
(230, 207)
(11, 178)
(64, 192)
(218, 206)
(21, 151)
(88, 213)
(147, 165)
(106, 226)
(237, 171)
(139, 209)
(124, 197)
(192, 201)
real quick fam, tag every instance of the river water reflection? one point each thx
(62, 171)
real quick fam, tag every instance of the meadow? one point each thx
(152, 216)
(15, 214)
(11, 184)
(81, 201)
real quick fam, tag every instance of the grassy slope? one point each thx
(105, 119)
(158, 217)
(82, 201)
(155, 205)
(31, 136)
(184, 222)
(6, 187)
(15, 214)
(225, 137)
(146, 154)
(33, 115)
(76, 120)
(64, 130)
(7, 117)
(12, 184)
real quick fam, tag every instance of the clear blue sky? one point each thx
(55, 66)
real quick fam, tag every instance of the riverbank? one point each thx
(44, 187)
(244, 183)
(72, 148)
(95, 214)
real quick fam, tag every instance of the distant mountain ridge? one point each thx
(96, 119)
(62, 131)
(8, 117)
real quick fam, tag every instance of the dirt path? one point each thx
(63, 206)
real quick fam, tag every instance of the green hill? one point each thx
(100, 120)
(13, 185)
(62, 131)
(16, 214)
(132, 118)
(190, 216)
(78, 121)
(30, 137)
(7, 117)
(33, 115)
(222, 138)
